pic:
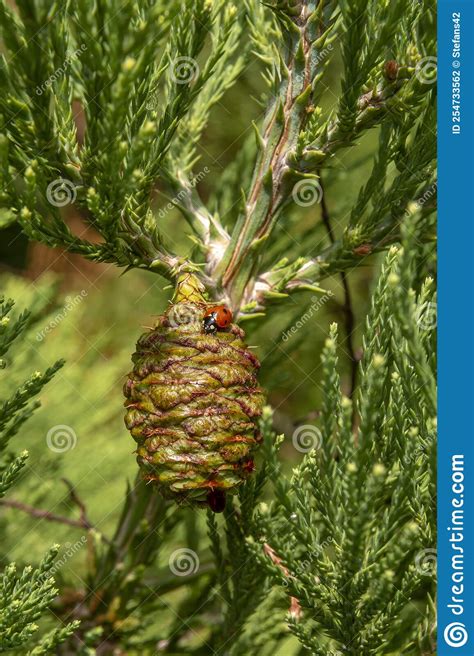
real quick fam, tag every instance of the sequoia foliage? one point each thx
(104, 105)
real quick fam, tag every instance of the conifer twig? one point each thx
(47, 514)
(349, 318)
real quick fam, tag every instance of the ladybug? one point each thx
(391, 70)
(217, 318)
(216, 500)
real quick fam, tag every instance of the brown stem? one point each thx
(46, 514)
(349, 318)
(78, 502)
(284, 121)
(295, 607)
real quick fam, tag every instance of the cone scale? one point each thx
(193, 403)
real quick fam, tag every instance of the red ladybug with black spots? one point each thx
(217, 318)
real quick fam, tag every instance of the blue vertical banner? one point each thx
(456, 328)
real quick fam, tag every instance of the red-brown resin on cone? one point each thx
(193, 404)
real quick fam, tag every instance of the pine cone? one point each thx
(193, 403)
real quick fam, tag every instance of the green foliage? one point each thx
(351, 533)
(25, 596)
(16, 409)
(104, 110)
(145, 77)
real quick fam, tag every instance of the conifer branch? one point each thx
(144, 114)
(24, 596)
(349, 318)
(104, 117)
(347, 541)
(45, 514)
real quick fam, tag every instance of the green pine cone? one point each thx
(193, 403)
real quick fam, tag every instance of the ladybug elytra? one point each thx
(217, 318)
(216, 500)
